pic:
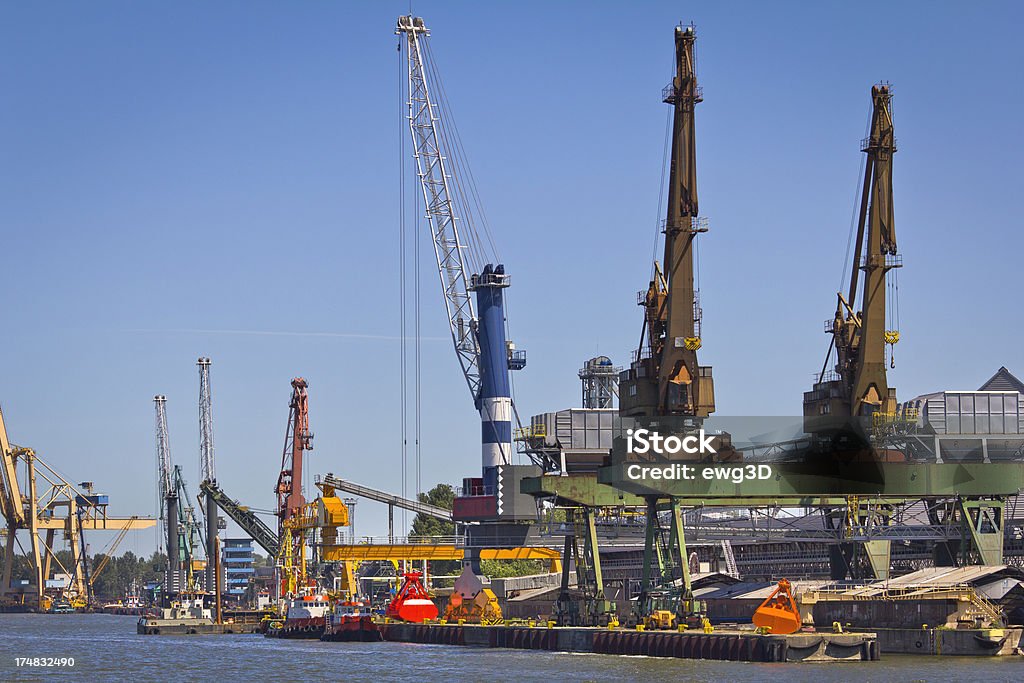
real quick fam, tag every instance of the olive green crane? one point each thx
(665, 378)
(858, 386)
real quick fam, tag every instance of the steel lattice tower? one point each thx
(168, 490)
(207, 468)
(600, 382)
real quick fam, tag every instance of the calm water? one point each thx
(106, 648)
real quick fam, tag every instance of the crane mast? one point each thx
(207, 468)
(665, 377)
(168, 496)
(484, 353)
(298, 439)
(858, 387)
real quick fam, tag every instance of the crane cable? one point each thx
(666, 147)
(403, 389)
(481, 247)
(855, 211)
(850, 239)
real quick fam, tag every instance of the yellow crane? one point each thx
(34, 498)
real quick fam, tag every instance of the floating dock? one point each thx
(183, 627)
(743, 646)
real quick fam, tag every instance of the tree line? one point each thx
(121, 576)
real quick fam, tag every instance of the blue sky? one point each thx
(221, 179)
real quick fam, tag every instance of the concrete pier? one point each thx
(978, 642)
(722, 645)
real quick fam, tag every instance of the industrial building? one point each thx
(237, 561)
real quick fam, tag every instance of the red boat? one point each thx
(350, 622)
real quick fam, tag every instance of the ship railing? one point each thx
(458, 541)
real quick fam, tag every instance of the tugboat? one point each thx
(305, 616)
(350, 621)
(186, 615)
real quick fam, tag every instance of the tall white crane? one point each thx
(430, 149)
(168, 494)
(207, 469)
(480, 344)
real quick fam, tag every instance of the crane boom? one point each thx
(430, 149)
(665, 378)
(168, 497)
(298, 439)
(163, 450)
(11, 504)
(858, 386)
(264, 536)
(207, 469)
(207, 463)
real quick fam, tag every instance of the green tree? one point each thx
(500, 569)
(442, 496)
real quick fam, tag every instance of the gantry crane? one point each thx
(856, 389)
(858, 385)
(35, 499)
(478, 332)
(665, 378)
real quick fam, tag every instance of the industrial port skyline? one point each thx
(227, 186)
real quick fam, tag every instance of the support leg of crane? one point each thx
(879, 555)
(651, 549)
(677, 548)
(600, 606)
(33, 530)
(983, 519)
(48, 552)
(5, 583)
(563, 605)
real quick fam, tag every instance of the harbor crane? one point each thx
(36, 499)
(207, 469)
(181, 529)
(477, 330)
(857, 387)
(665, 378)
(298, 439)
